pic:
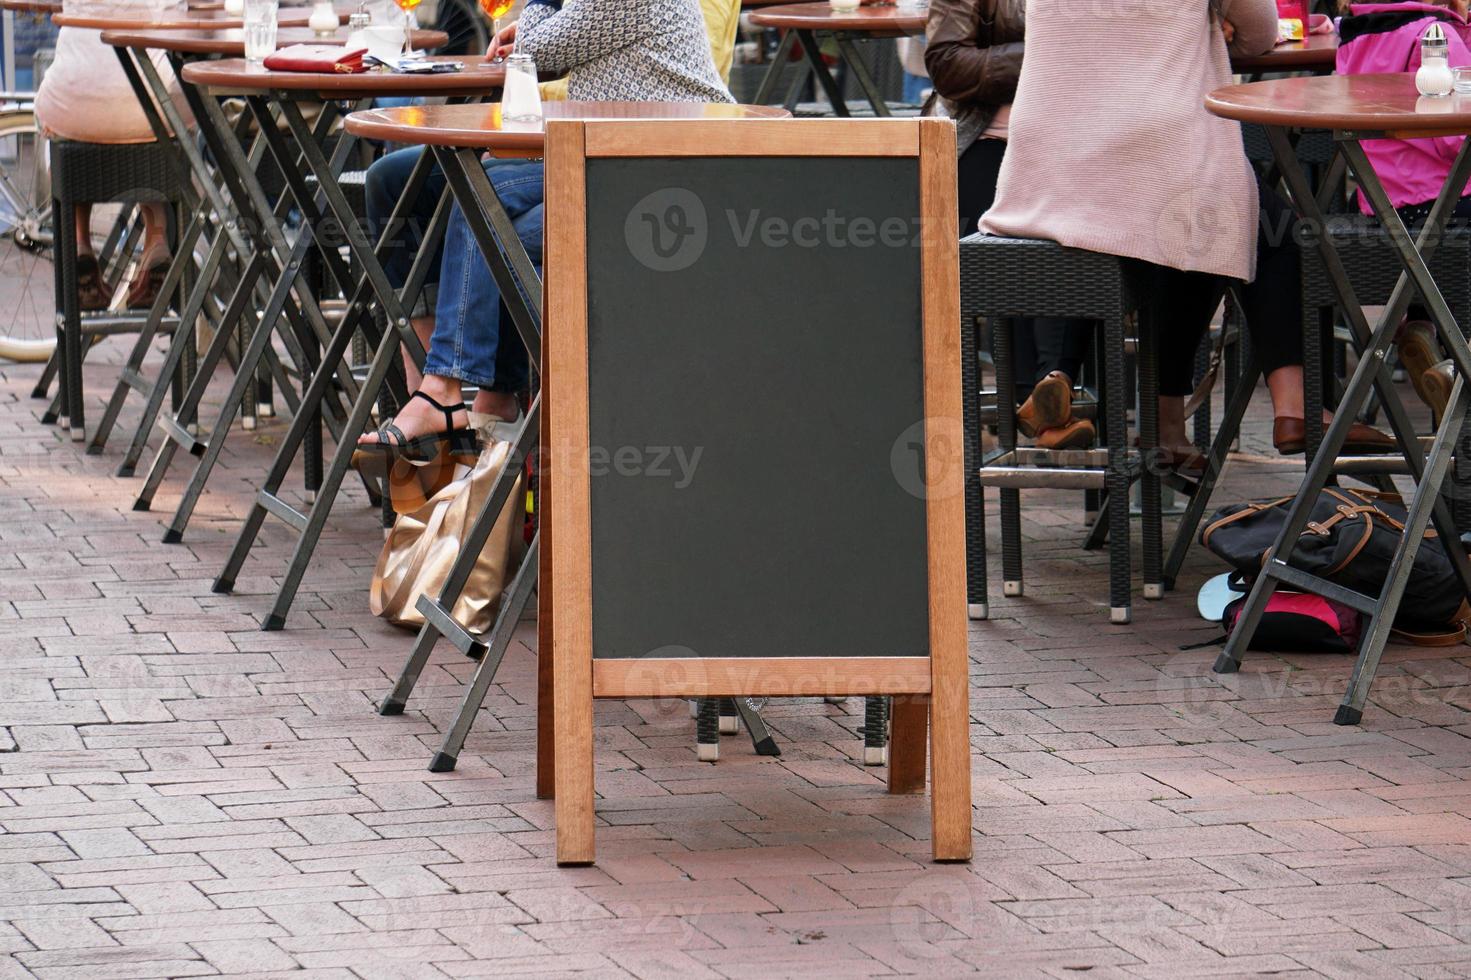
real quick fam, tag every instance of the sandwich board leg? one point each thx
(909, 723)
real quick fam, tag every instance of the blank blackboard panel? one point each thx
(793, 370)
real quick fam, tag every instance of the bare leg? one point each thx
(84, 229)
(419, 418)
(424, 328)
(501, 404)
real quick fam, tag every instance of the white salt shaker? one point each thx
(1434, 77)
(323, 20)
(520, 98)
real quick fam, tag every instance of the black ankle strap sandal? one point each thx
(392, 440)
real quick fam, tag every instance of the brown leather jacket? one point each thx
(974, 58)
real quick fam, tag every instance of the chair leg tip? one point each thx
(391, 708)
(1226, 665)
(874, 755)
(1121, 615)
(979, 610)
(730, 725)
(1013, 588)
(94, 450)
(125, 472)
(1348, 715)
(707, 753)
(442, 762)
(141, 504)
(1154, 590)
(767, 746)
(173, 536)
(273, 623)
(223, 586)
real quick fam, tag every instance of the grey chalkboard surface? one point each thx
(755, 402)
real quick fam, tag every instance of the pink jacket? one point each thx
(1412, 171)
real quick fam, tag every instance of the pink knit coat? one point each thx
(1111, 147)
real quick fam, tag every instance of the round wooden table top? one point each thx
(877, 20)
(31, 6)
(480, 126)
(231, 43)
(233, 74)
(1367, 103)
(1318, 52)
(170, 20)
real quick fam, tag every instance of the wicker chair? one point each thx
(1002, 279)
(95, 173)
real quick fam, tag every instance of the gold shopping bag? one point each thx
(425, 542)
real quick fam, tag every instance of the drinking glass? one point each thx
(260, 30)
(407, 6)
(495, 10)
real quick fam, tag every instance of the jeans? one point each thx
(386, 180)
(474, 339)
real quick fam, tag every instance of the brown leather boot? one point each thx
(1419, 352)
(1076, 434)
(1050, 406)
(1435, 387)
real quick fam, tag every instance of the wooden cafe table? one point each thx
(457, 136)
(1356, 108)
(246, 226)
(802, 23)
(1317, 53)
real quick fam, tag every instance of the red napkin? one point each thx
(325, 59)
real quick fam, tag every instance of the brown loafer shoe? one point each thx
(1418, 352)
(1289, 437)
(1435, 387)
(1050, 406)
(143, 290)
(91, 294)
(1077, 434)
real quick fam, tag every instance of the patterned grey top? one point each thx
(635, 50)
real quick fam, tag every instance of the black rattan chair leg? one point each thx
(875, 731)
(1002, 337)
(977, 602)
(707, 729)
(1117, 437)
(1152, 531)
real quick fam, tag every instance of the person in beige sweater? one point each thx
(1112, 150)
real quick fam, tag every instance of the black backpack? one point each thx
(1350, 541)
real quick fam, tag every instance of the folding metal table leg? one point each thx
(437, 612)
(761, 738)
(773, 74)
(131, 378)
(1370, 373)
(303, 316)
(813, 53)
(513, 606)
(853, 58)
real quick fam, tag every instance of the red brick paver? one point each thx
(182, 795)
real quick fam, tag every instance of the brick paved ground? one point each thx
(183, 795)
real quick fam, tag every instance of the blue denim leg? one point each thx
(385, 182)
(468, 344)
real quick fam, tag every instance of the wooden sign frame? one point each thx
(929, 692)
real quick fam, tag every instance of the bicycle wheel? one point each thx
(27, 290)
(469, 35)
